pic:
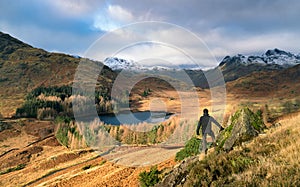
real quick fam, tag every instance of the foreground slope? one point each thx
(271, 159)
(30, 156)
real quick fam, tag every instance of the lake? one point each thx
(135, 117)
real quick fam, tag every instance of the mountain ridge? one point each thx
(274, 57)
(271, 56)
(118, 64)
(23, 68)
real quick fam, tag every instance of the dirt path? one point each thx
(142, 156)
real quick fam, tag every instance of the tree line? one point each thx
(50, 102)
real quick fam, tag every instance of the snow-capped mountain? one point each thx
(270, 57)
(116, 63)
(273, 59)
(119, 64)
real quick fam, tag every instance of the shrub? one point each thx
(149, 178)
(146, 92)
(290, 106)
(191, 148)
(86, 167)
(65, 128)
(18, 167)
(4, 126)
(62, 119)
(62, 135)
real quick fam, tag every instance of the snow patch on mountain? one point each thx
(275, 57)
(116, 63)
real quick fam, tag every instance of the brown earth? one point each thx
(32, 143)
(50, 164)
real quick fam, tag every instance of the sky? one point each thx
(222, 27)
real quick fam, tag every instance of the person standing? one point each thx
(206, 123)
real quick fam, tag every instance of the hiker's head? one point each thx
(205, 111)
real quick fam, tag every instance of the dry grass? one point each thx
(9, 103)
(281, 165)
(272, 159)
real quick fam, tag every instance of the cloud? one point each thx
(227, 27)
(242, 15)
(222, 44)
(112, 17)
(161, 42)
(119, 13)
(75, 8)
(45, 24)
(60, 41)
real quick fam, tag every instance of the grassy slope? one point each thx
(276, 89)
(23, 68)
(271, 159)
(280, 84)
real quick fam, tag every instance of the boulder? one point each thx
(243, 126)
(179, 174)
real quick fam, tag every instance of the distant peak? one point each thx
(277, 52)
(116, 63)
(271, 56)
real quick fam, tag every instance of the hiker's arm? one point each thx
(198, 127)
(215, 122)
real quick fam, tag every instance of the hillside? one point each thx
(239, 66)
(271, 159)
(37, 87)
(281, 83)
(276, 92)
(41, 160)
(24, 68)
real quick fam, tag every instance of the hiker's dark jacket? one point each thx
(205, 122)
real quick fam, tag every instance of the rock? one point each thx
(277, 124)
(201, 156)
(244, 125)
(178, 175)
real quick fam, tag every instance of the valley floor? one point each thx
(39, 160)
(31, 156)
